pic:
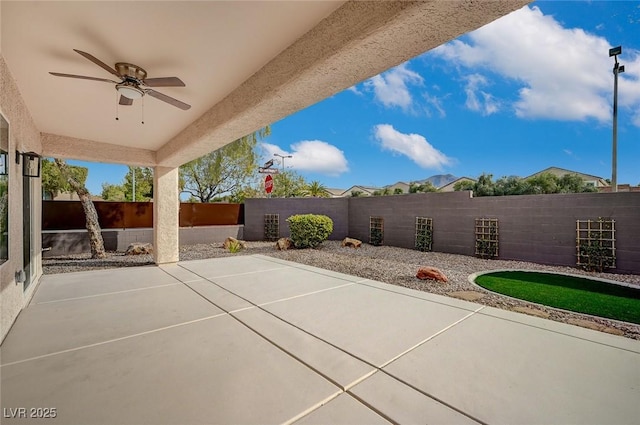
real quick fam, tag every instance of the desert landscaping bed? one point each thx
(397, 266)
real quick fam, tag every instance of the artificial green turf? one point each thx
(567, 292)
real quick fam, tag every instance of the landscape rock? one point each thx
(283, 244)
(532, 312)
(138, 248)
(595, 326)
(432, 273)
(231, 240)
(466, 295)
(350, 242)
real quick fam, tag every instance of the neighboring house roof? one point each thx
(402, 185)
(449, 187)
(366, 190)
(335, 193)
(557, 171)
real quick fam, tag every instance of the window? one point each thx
(4, 190)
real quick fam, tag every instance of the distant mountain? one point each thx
(439, 180)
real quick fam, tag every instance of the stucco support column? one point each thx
(166, 208)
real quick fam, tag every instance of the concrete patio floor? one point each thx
(257, 340)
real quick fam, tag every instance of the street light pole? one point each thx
(283, 176)
(282, 157)
(133, 175)
(617, 69)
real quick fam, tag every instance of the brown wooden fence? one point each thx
(67, 215)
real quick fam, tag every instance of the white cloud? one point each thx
(354, 89)
(564, 73)
(434, 102)
(312, 155)
(414, 146)
(391, 88)
(479, 100)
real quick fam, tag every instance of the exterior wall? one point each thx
(255, 209)
(448, 211)
(210, 234)
(64, 242)
(536, 228)
(23, 136)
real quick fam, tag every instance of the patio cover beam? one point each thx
(88, 150)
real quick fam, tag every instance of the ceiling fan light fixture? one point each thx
(129, 91)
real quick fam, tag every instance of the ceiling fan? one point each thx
(133, 82)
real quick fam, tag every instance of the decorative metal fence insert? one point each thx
(376, 230)
(596, 244)
(424, 234)
(487, 237)
(271, 227)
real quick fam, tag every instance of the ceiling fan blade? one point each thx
(98, 62)
(163, 82)
(82, 77)
(168, 99)
(125, 100)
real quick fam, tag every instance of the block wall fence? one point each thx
(536, 228)
(65, 242)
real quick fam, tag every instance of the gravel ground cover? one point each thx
(397, 266)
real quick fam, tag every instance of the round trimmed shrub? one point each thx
(309, 230)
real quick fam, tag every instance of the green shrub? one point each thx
(309, 230)
(235, 247)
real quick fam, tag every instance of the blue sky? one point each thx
(531, 90)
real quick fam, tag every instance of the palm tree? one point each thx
(317, 190)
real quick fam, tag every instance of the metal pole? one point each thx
(614, 161)
(133, 171)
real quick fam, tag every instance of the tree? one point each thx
(398, 191)
(463, 185)
(484, 186)
(317, 190)
(92, 224)
(112, 192)
(422, 188)
(124, 192)
(510, 186)
(289, 185)
(144, 184)
(239, 196)
(54, 183)
(382, 192)
(224, 171)
(356, 193)
(544, 183)
(573, 183)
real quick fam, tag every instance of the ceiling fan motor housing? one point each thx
(132, 76)
(130, 70)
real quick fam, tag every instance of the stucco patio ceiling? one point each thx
(245, 64)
